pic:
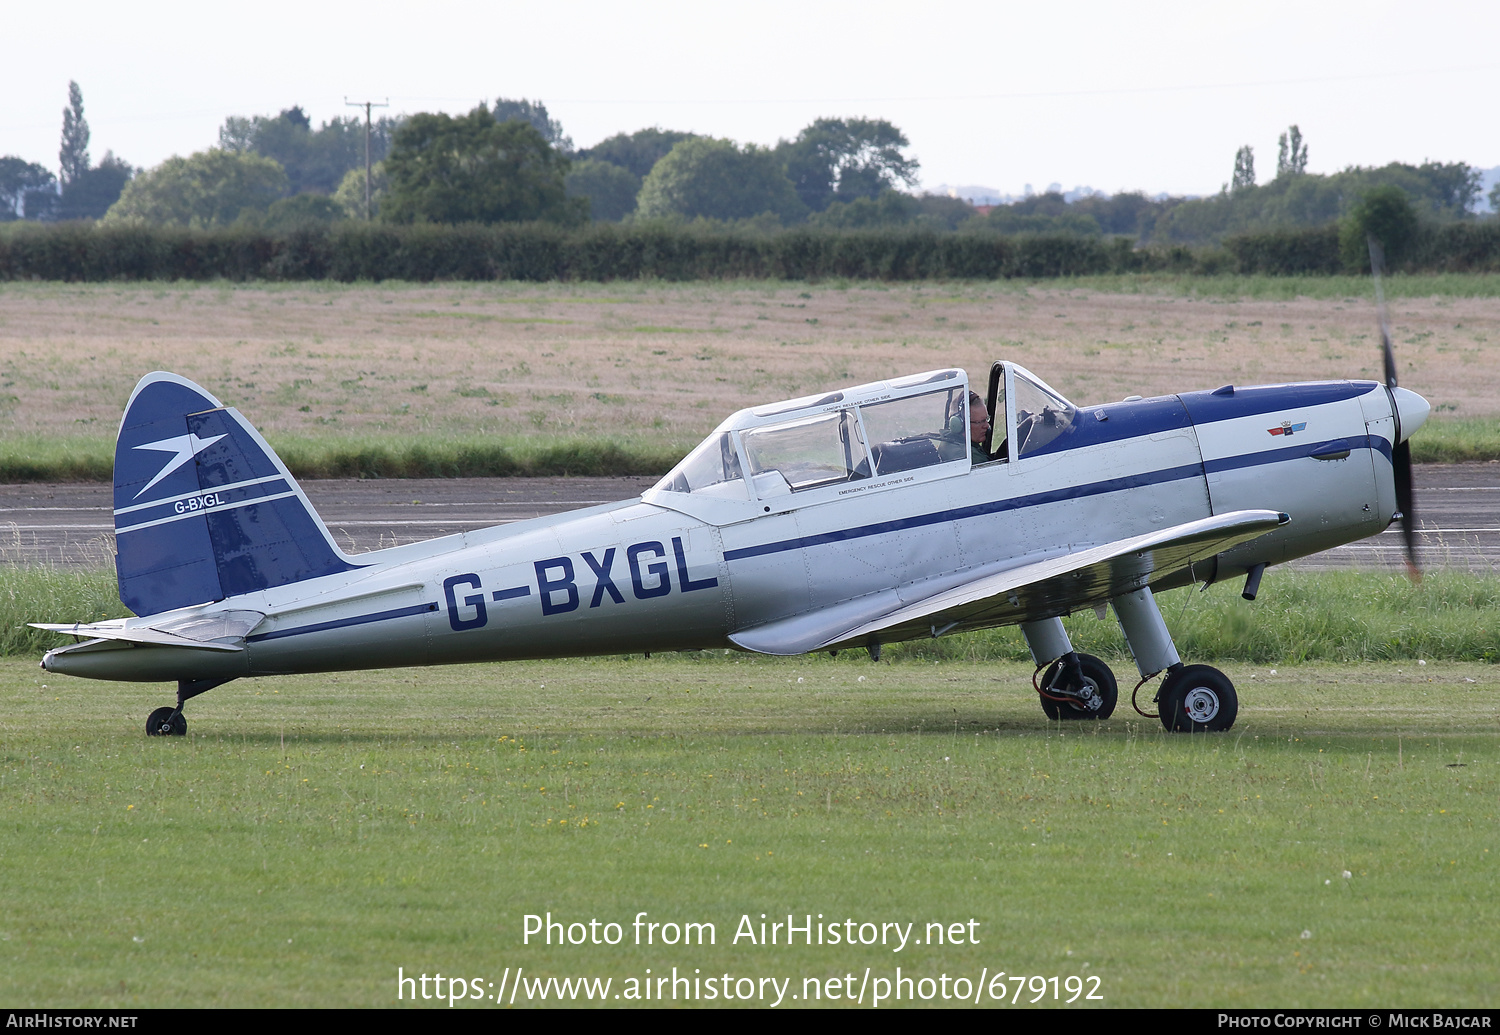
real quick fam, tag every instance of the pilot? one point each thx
(979, 426)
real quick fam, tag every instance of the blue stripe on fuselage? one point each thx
(1134, 481)
(1276, 456)
(1073, 492)
(341, 623)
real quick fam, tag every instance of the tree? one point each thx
(315, 160)
(1291, 153)
(1047, 213)
(890, 209)
(299, 210)
(1384, 213)
(846, 159)
(1451, 185)
(90, 194)
(22, 183)
(1244, 169)
(716, 179)
(1128, 213)
(210, 188)
(942, 212)
(73, 156)
(610, 189)
(1495, 197)
(638, 151)
(351, 193)
(534, 113)
(474, 169)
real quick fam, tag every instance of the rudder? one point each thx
(203, 508)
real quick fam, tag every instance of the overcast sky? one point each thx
(1114, 95)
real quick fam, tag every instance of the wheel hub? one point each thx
(1201, 704)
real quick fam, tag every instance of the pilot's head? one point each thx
(979, 418)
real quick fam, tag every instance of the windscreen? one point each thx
(714, 467)
(1041, 414)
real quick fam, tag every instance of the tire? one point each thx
(166, 722)
(1198, 699)
(1095, 672)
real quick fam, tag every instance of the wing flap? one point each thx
(1032, 590)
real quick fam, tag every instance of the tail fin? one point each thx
(203, 508)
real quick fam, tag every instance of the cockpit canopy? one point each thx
(868, 432)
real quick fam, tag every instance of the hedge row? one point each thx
(1443, 248)
(540, 252)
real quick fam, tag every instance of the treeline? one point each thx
(354, 251)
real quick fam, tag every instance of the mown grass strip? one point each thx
(312, 834)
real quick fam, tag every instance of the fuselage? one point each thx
(685, 567)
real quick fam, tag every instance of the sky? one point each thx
(1113, 95)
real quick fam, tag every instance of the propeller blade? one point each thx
(1401, 464)
(1377, 267)
(1401, 453)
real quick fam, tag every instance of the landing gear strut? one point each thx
(170, 722)
(1193, 698)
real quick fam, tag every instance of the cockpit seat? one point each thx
(905, 455)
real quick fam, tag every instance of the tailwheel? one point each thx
(1197, 699)
(166, 722)
(1067, 697)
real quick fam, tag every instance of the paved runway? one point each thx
(1458, 506)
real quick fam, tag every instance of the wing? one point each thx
(1031, 590)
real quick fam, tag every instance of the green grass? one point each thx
(44, 593)
(1446, 441)
(313, 834)
(35, 458)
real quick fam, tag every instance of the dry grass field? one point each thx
(663, 363)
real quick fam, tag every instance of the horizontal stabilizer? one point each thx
(1030, 592)
(221, 631)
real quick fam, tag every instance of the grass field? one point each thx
(313, 834)
(652, 367)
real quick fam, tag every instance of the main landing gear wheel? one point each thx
(1096, 675)
(1197, 699)
(166, 722)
